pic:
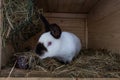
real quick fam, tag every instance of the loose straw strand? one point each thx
(11, 70)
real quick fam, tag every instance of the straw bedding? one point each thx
(89, 63)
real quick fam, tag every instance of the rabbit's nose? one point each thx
(40, 49)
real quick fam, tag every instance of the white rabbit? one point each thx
(63, 46)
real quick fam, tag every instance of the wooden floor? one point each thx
(19, 74)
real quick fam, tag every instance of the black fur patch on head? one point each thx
(55, 31)
(40, 49)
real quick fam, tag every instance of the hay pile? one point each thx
(20, 22)
(89, 63)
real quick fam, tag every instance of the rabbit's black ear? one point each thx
(46, 23)
(55, 31)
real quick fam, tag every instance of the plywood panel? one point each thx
(104, 25)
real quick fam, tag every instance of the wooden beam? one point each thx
(65, 15)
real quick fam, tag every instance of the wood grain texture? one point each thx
(65, 6)
(104, 25)
(65, 15)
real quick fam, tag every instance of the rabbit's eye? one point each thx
(49, 43)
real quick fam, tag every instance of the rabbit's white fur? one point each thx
(65, 48)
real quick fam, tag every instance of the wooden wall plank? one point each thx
(88, 4)
(104, 25)
(65, 6)
(65, 15)
(52, 5)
